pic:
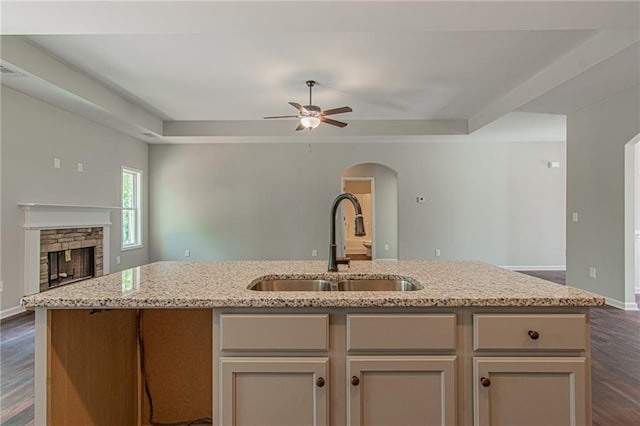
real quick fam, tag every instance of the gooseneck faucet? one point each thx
(359, 231)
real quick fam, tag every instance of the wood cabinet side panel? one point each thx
(177, 349)
(92, 373)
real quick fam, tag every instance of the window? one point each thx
(131, 223)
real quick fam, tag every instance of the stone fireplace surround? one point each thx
(42, 216)
(58, 240)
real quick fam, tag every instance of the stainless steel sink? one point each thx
(291, 285)
(355, 284)
(377, 285)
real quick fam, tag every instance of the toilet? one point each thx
(367, 245)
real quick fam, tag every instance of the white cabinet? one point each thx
(438, 366)
(386, 369)
(385, 386)
(401, 390)
(272, 391)
(261, 386)
(525, 385)
(530, 391)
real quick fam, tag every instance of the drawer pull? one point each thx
(533, 334)
(320, 382)
(355, 381)
(485, 382)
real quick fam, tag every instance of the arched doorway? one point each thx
(632, 224)
(376, 187)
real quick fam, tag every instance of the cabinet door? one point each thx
(401, 390)
(530, 391)
(274, 391)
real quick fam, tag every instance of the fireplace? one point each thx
(63, 228)
(70, 254)
(69, 266)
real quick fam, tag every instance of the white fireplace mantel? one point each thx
(52, 216)
(38, 216)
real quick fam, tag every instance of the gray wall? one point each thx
(496, 202)
(33, 133)
(596, 138)
(386, 206)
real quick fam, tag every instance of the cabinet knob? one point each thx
(533, 334)
(320, 382)
(485, 382)
(355, 381)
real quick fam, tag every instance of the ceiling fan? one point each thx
(311, 115)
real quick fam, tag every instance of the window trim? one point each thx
(138, 208)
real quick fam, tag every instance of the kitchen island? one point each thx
(184, 341)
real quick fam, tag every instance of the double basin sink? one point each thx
(351, 284)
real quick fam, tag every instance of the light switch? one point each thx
(80, 167)
(574, 217)
(56, 163)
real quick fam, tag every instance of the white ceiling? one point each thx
(246, 76)
(236, 62)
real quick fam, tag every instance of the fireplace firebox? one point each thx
(70, 265)
(67, 266)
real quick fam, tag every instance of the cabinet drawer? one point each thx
(530, 331)
(274, 332)
(401, 332)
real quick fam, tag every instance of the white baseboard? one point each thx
(536, 268)
(6, 313)
(621, 305)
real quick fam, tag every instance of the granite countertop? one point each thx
(174, 284)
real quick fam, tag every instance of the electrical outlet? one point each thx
(118, 260)
(592, 273)
(386, 247)
(187, 253)
(437, 251)
(314, 253)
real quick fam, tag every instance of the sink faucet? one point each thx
(359, 231)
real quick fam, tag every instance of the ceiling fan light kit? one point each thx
(310, 122)
(311, 116)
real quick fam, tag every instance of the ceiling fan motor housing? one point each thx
(311, 110)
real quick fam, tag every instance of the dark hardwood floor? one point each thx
(615, 365)
(16, 370)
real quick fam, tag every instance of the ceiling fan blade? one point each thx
(333, 122)
(337, 110)
(282, 116)
(300, 127)
(296, 106)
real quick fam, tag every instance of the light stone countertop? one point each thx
(197, 284)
